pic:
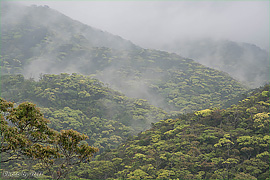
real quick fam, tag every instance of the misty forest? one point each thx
(81, 103)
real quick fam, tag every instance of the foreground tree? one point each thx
(25, 134)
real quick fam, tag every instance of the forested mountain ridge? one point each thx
(38, 33)
(32, 46)
(42, 22)
(213, 143)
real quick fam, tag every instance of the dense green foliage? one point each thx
(25, 135)
(169, 81)
(228, 143)
(84, 104)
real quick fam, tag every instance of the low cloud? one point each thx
(153, 23)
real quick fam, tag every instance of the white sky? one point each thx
(148, 23)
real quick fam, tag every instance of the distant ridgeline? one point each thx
(243, 61)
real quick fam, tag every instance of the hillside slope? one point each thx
(39, 33)
(214, 143)
(84, 104)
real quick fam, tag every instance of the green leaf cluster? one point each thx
(25, 135)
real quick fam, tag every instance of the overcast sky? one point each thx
(157, 22)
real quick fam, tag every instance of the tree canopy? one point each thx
(25, 134)
(230, 143)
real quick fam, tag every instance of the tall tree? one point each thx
(25, 134)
